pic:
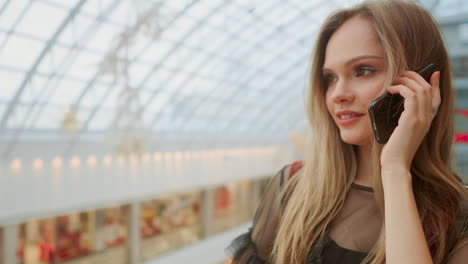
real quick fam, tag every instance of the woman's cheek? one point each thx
(374, 91)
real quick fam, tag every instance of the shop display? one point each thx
(150, 224)
(20, 247)
(166, 224)
(111, 228)
(110, 234)
(232, 205)
(1, 245)
(169, 223)
(36, 242)
(74, 235)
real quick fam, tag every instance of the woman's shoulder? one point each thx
(462, 218)
(279, 180)
(464, 207)
(294, 167)
(459, 251)
(291, 169)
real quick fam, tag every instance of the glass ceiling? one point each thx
(177, 66)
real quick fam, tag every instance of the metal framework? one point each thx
(49, 45)
(251, 57)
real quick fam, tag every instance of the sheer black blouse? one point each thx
(348, 239)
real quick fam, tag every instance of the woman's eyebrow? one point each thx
(361, 57)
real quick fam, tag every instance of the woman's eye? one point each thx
(364, 70)
(329, 78)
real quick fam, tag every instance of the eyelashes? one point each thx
(364, 70)
(329, 78)
(358, 71)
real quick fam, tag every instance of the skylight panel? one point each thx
(20, 52)
(66, 93)
(105, 38)
(12, 13)
(42, 20)
(102, 120)
(9, 84)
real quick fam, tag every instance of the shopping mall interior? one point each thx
(145, 131)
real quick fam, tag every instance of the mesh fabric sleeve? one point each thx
(254, 247)
(460, 256)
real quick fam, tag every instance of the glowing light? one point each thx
(16, 165)
(121, 160)
(75, 162)
(38, 164)
(92, 161)
(146, 157)
(133, 159)
(177, 156)
(107, 161)
(57, 163)
(157, 156)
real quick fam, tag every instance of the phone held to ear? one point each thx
(385, 111)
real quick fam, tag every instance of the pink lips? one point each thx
(348, 121)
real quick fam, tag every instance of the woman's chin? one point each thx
(355, 139)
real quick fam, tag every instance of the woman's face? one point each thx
(355, 73)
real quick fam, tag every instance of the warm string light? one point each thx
(177, 156)
(38, 164)
(92, 161)
(133, 160)
(16, 166)
(107, 161)
(146, 157)
(157, 157)
(167, 157)
(121, 160)
(75, 162)
(211, 154)
(57, 163)
(168, 161)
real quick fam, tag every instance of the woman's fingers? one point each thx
(435, 83)
(417, 78)
(423, 95)
(420, 96)
(411, 100)
(428, 93)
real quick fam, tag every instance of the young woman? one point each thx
(354, 200)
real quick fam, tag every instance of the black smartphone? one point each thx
(385, 110)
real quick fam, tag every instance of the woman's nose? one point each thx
(342, 92)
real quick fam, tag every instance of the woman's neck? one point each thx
(364, 167)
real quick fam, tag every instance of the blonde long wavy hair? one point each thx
(410, 38)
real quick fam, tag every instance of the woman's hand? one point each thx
(420, 100)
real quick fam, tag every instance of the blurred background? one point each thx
(138, 131)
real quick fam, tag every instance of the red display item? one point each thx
(295, 166)
(46, 252)
(461, 137)
(223, 198)
(463, 112)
